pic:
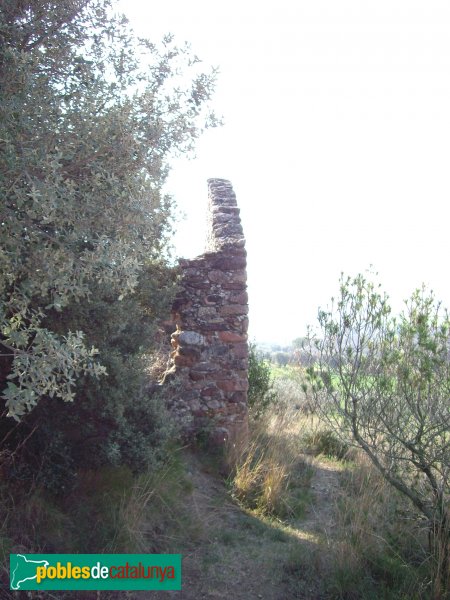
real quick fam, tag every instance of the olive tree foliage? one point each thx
(89, 117)
(384, 382)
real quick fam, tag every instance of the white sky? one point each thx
(337, 143)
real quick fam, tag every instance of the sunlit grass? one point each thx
(271, 475)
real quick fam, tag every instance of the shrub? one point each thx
(91, 116)
(326, 442)
(261, 392)
(292, 392)
(112, 421)
(378, 550)
(383, 383)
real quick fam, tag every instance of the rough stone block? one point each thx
(241, 298)
(206, 312)
(190, 338)
(215, 299)
(209, 391)
(189, 352)
(216, 276)
(196, 375)
(240, 350)
(234, 285)
(232, 337)
(205, 367)
(234, 309)
(231, 385)
(230, 263)
(237, 397)
(213, 404)
(184, 361)
(209, 327)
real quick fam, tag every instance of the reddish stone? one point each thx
(227, 386)
(184, 361)
(233, 309)
(230, 385)
(232, 337)
(238, 365)
(239, 298)
(240, 350)
(234, 286)
(238, 397)
(209, 392)
(196, 376)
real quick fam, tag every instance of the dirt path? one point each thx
(243, 557)
(325, 486)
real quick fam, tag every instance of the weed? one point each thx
(326, 442)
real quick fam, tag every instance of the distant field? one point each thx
(287, 372)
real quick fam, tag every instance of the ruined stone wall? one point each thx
(210, 351)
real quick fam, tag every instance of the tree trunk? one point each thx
(439, 542)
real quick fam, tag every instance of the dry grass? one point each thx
(270, 472)
(153, 516)
(378, 543)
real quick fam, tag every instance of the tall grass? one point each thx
(379, 548)
(270, 475)
(109, 511)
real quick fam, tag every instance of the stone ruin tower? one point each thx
(210, 349)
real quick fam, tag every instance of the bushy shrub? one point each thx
(261, 392)
(326, 442)
(293, 393)
(91, 116)
(112, 421)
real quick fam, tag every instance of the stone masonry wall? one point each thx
(210, 350)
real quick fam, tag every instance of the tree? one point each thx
(281, 358)
(384, 382)
(89, 118)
